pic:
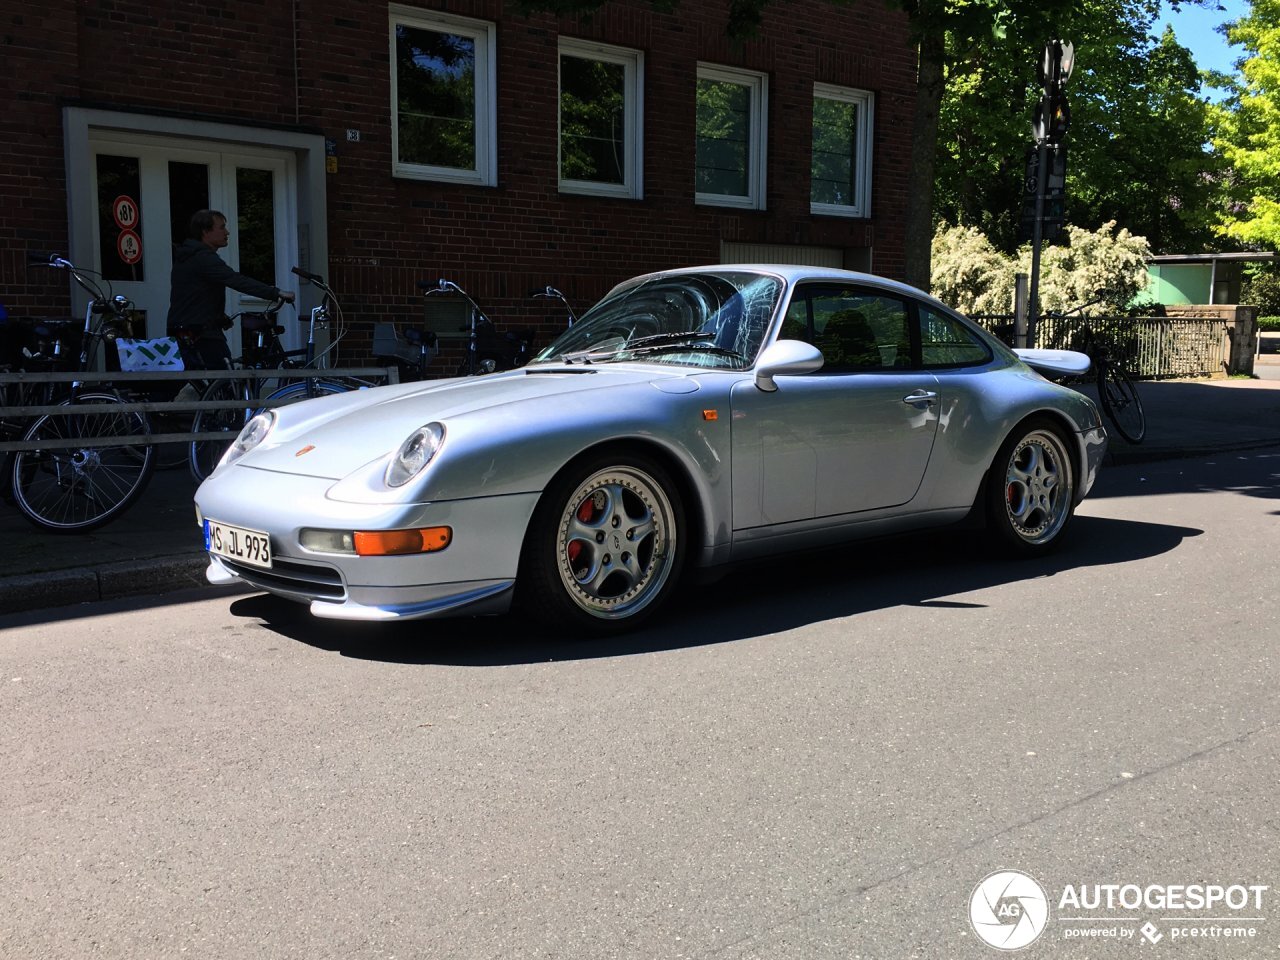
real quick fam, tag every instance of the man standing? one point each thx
(197, 292)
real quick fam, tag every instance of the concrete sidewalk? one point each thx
(156, 548)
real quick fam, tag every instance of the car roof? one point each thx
(793, 273)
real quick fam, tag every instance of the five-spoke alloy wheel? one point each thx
(605, 547)
(1031, 488)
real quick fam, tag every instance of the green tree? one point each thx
(1136, 146)
(1248, 128)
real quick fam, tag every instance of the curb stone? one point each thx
(56, 588)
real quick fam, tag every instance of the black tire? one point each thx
(606, 546)
(77, 489)
(1030, 489)
(203, 455)
(1121, 403)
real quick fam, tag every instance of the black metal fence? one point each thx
(1148, 347)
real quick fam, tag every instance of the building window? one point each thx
(730, 130)
(840, 184)
(600, 119)
(443, 97)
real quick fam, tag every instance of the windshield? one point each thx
(694, 319)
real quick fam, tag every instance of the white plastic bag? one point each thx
(161, 353)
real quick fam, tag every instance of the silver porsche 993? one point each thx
(692, 419)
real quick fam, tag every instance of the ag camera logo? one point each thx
(1008, 910)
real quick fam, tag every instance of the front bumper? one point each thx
(475, 574)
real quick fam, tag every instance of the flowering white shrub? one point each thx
(1103, 259)
(969, 274)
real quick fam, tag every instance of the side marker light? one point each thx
(389, 543)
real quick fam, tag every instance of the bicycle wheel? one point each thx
(304, 390)
(72, 489)
(203, 455)
(1120, 401)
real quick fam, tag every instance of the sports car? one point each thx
(692, 419)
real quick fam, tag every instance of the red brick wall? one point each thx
(328, 67)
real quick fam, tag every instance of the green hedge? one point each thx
(1269, 324)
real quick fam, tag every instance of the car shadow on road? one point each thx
(919, 570)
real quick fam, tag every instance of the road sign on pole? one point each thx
(1049, 125)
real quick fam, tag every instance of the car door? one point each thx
(853, 436)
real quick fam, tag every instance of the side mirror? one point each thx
(786, 358)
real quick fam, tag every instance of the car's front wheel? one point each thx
(605, 548)
(1031, 488)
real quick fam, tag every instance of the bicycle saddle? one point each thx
(418, 337)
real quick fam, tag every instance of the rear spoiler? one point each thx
(1058, 363)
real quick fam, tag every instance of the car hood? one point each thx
(332, 436)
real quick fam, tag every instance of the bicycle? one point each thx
(81, 470)
(267, 354)
(487, 349)
(1116, 390)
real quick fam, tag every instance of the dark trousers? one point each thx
(207, 353)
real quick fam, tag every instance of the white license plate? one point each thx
(236, 543)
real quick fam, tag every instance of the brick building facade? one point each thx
(295, 100)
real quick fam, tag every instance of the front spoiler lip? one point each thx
(490, 598)
(477, 601)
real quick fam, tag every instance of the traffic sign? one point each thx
(129, 246)
(125, 211)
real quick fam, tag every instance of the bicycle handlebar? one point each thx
(307, 275)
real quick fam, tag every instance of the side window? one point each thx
(840, 175)
(856, 330)
(443, 102)
(600, 119)
(729, 166)
(946, 342)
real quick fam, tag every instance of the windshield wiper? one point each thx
(655, 348)
(683, 336)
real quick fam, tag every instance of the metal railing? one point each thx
(1148, 347)
(29, 412)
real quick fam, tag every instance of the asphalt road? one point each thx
(818, 761)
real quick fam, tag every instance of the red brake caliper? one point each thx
(586, 510)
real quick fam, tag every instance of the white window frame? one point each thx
(864, 100)
(757, 141)
(485, 35)
(632, 186)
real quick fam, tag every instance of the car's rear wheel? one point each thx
(1031, 488)
(605, 548)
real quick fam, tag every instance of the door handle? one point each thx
(927, 397)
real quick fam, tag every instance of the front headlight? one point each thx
(254, 432)
(414, 454)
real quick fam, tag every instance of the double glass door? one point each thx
(146, 192)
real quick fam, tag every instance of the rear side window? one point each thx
(946, 342)
(856, 330)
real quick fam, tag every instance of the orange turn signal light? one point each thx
(390, 543)
(710, 415)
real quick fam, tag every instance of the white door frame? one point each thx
(303, 205)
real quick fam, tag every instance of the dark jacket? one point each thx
(197, 291)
